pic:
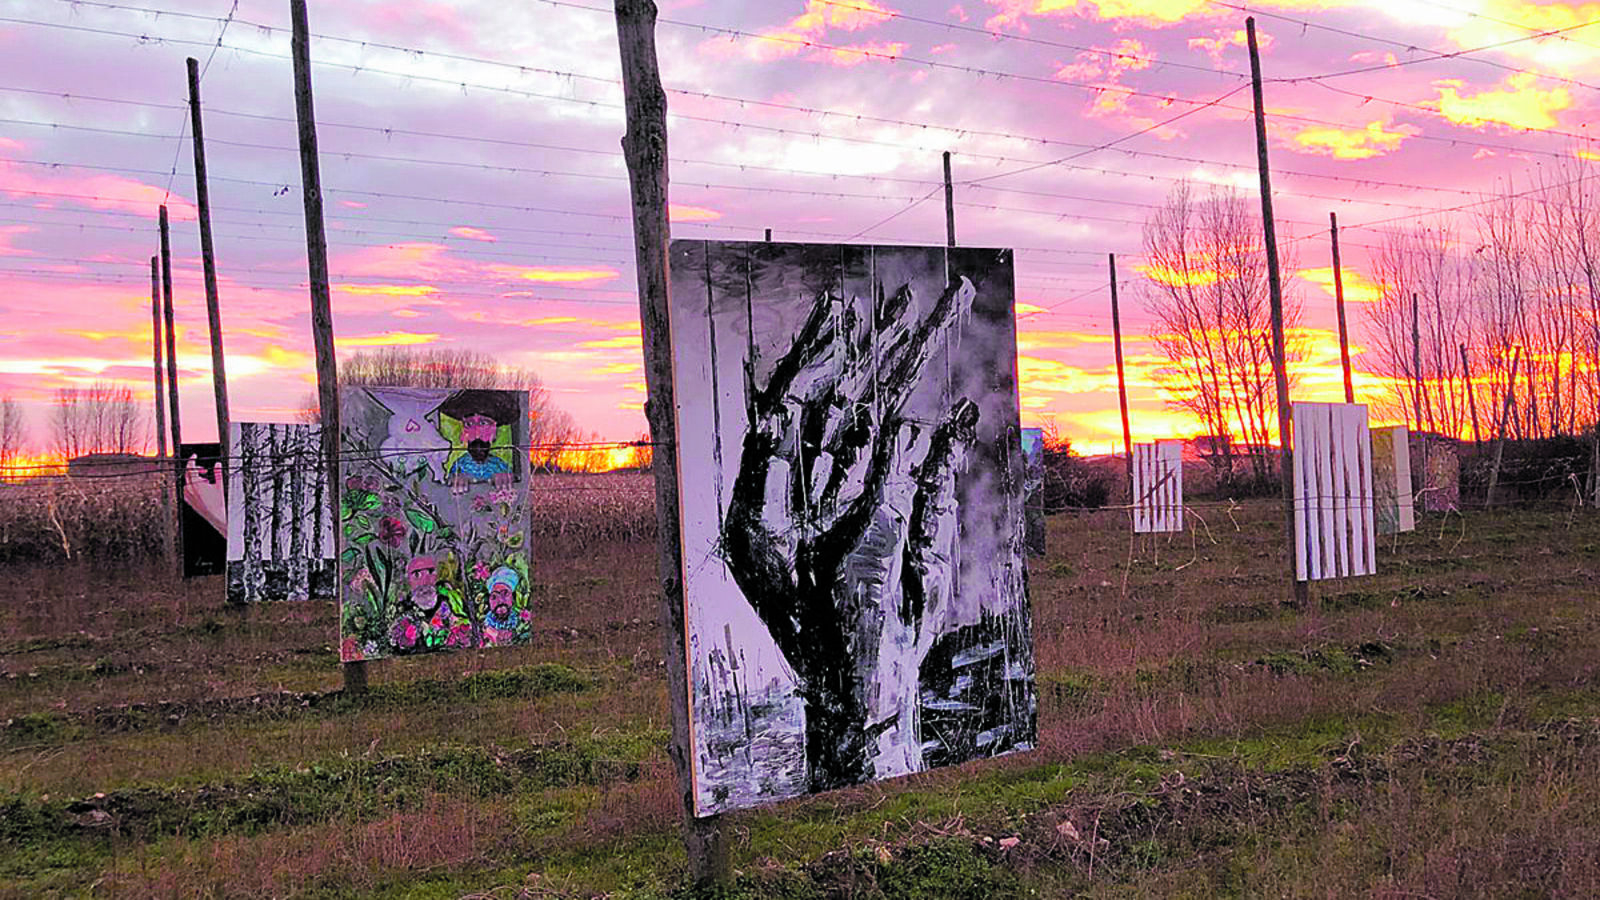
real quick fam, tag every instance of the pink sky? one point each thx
(826, 118)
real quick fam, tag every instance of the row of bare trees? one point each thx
(102, 418)
(1516, 287)
(1498, 313)
(551, 429)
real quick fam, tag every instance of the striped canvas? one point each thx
(1333, 492)
(1158, 487)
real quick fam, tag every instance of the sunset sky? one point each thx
(476, 196)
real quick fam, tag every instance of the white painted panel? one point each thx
(1300, 441)
(1158, 487)
(1333, 502)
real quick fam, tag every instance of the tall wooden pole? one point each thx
(1472, 398)
(355, 673)
(645, 148)
(172, 393)
(1122, 384)
(949, 205)
(1416, 361)
(208, 264)
(1338, 302)
(155, 353)
(160, 398)
(1302, 593)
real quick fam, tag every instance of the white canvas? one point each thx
(1333, 492)
(1158, 487)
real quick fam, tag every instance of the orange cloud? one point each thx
(555, 274)
(387, 290)
(1178, 278)
(1224, 41)
(473, 234)
(1014, 13)
(798, 35)
(1062, 340)
(387, 339)
(1357, 287)
(6, 233)
(574, 320)
(677, 212)
(1039, 375)
(1351, 143)
(408, 259)
(624, 342)
(1519, 103)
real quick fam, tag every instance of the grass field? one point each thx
(1430, 732)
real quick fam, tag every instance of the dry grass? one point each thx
(1155, 658)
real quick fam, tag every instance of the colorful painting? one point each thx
(204, 520)
(1333, 509)
(1441, 480)
(1033, 490)
(1393, 504)
(433, 520)
(854, 560)
(280, 536)
(1158, 487)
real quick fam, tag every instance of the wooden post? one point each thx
(1122, 385)
(769, 235)
(160, 384)
(1301, 591)
(208, 264)
(645, 148)
(949, 205)
(1472, 398)
(1416, 361)
(1500, 430)
(172, 393)
(1338, 302)
(155, 352)
(355, 673)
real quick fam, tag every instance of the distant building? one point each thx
(92, 465)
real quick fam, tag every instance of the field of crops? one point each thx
(1433, 731)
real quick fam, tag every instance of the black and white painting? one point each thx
(852, 514)
(280, 519)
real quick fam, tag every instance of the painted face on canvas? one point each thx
(502, 592)
(422, 571)
(422, 575)
(479, 432)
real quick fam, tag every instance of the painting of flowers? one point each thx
(433, 521)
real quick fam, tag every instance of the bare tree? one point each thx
(1427, 281)
(102, 418)
(12, 432)
(550, 428)
(1206, 286)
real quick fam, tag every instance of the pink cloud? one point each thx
(7, 232)
(92, 189)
